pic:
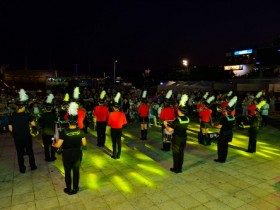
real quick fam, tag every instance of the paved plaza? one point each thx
(141, 179)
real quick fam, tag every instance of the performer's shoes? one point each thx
(249, 151)
(22, 170)
(68, 191)
(117, 157)
(48, 159)
(219, 161)
(33, 168)
(114, 157)
(53, 158)
(166, 150)
(74, 191)
(175, 171)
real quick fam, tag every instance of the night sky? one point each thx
(140, 34)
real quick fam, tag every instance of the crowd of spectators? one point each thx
(130, 102)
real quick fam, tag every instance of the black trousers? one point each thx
(48, 149)
(252, 140)
(222, 144)
(24, 146)
(72, 161)
(116, 135)
(264, 120)
(178, 147)
(101, 132)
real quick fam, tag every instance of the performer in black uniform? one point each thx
(226, 124)
(19, 126)
(179, 128)
(255, 123)
(72, 140)
(48, 122)
(116, 121)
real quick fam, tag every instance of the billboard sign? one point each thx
(234, 67)
(243, 52)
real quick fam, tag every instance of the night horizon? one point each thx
(140, 35)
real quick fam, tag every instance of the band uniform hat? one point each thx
(73, 112)
(49, 104)
(76, 95)
(102, 97)
(182, 104)
(23, 98)
(117, 103)
(144, 96)
(230, 109)
(168, 98)
(210, 100)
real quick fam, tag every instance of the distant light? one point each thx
(258, 62)
(161, 83)
(185, 62)
(234, 67)
(278, 50)
(243, 52)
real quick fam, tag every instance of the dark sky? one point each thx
(140, 34)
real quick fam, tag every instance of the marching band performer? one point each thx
(225, 125)
(205, 119)
(143, 112)
(179, 129)
(116, 121)
(48, 123)
(19, 127)
(100, 115)
(166, 114)
(255, 123)
(72, 139)
(81, 111)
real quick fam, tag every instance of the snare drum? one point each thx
(167, 137)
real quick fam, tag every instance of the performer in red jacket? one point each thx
(143, 112)
(100, 114)
(167, 114)
(205, 122)
(116, 121)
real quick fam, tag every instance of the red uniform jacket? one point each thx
(143, 110)
(167, 114)
(81, 117)
(251, 109)
(205, 115)
(117, 119)
(101, 113)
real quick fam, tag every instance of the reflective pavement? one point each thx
(141, 179)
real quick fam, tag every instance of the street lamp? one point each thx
(115, 71)
(185, 62)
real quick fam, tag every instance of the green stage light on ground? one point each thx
(274, 153)
(142, 179)
(142, 156)
(122, 184)
(92, 181)
(98, 161)
(129, 135)
(151, 169)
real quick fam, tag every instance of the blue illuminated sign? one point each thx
(243, 52)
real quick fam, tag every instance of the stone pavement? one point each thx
(141, 178)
